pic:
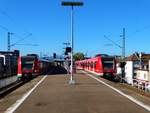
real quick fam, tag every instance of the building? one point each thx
(137, 69)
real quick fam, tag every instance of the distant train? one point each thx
(31, 65)
(103, 65)
(14, 67)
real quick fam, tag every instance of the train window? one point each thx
(108, 64)
(27, 63)
(91, 64)
(82, 64)
(95, 64)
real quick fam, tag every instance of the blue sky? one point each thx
(49, 24)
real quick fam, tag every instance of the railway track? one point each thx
(6, 90)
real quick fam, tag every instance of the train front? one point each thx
(28, 63)
(109, 66)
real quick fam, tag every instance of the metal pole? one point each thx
(72, 4)
(140, 55)
(123, 54)
(8, 46)
(8, 43)
(72, 42)
(123, 44)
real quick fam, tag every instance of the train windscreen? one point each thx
(108, 63)
(27, 63)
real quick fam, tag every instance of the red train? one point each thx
(101, 65)
(30, 66)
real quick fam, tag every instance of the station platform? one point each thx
(55, 95)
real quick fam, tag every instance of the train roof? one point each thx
(35, 55)
(102, 55)
(46, 60)
(96, 58)
(28, 57)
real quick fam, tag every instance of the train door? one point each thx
(95, 63)
(100, 66)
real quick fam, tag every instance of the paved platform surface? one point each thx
(55, 95)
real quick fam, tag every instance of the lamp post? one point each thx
(72, 4)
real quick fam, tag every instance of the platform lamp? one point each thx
(72, 4)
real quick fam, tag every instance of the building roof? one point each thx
(135, 57)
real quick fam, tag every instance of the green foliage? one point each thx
(78, 56)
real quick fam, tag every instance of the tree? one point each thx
(78, 56)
